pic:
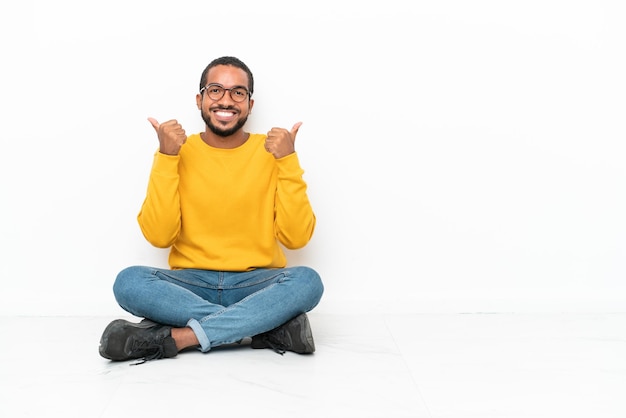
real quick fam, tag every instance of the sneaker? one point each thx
(294, 335)
(123, 340)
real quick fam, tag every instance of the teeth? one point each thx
(225, 114)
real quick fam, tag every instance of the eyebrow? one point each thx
(221, 85)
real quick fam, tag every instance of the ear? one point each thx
(250, 105)
(199, 101)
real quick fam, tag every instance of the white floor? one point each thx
(391, 366)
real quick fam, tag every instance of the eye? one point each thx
(240, 92)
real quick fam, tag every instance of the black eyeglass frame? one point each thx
(224, 90)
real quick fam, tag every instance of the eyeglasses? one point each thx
(217, 91)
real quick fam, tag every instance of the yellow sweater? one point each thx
(226, 209)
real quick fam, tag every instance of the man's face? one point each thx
(224, 116)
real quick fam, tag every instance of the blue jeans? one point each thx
(220, 307)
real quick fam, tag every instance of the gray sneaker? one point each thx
(123, 340)
(294, 335)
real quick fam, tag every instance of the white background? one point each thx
(461, 156)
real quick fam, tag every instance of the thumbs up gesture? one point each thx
(280, 142)
(171, 135)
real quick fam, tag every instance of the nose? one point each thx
(226, 97)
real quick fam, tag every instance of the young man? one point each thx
(223, 201)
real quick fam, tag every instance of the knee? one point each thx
(312, 281)
(126, 282)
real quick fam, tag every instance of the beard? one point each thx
(217, 130)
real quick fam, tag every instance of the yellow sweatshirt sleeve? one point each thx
(160, 215)
(295, 220)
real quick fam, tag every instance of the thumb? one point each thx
(294, 130)
(155, 124)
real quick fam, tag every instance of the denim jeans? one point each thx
(220, 307)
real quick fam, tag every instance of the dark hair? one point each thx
(232, 61)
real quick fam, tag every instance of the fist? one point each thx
(171, 135)
(280, 142)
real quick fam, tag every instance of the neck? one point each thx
(227, 142)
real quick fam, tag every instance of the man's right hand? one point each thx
(171, 135)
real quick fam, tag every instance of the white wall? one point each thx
(461, 156)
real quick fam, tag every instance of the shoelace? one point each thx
(275, 341)
(278, 348)
(158, 353)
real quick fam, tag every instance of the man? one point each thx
(223, 201)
